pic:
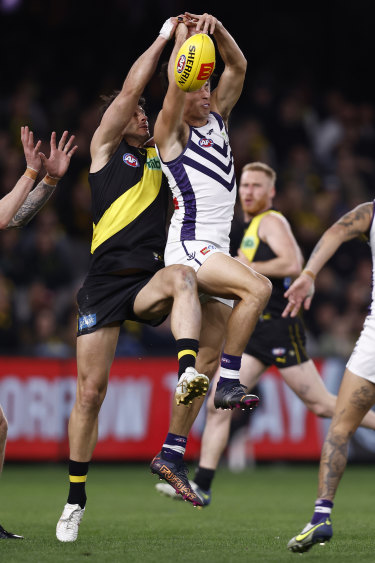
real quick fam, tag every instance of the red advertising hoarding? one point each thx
(37, 396)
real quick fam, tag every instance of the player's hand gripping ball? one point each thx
(195, 62)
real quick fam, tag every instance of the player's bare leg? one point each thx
(95, 353)
(226, 277)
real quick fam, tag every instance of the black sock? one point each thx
(77, 477)
(187, 350)
(204, 477)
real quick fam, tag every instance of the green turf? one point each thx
(252, 517)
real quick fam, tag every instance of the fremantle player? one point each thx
(268, 246)
(191, 135)
(357, 390)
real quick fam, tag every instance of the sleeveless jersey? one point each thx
(256, 250)
(129, 208)
(203, 184)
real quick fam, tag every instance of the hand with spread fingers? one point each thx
(58, 161)
(301, 291)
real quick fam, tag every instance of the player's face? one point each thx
(137, 131)
(256, 191)
(197, 104)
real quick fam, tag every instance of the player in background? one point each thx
(356, 395)
(202, 179)
(20, 205)
(268, 246)
(127, 279)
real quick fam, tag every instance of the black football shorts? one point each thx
(278, 341)
(106, 298)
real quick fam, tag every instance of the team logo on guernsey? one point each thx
(181, 64)
(205, 143)
(87, 321)
(130, 160)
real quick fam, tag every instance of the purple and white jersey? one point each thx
(203, 185)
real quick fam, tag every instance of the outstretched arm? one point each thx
(11, 202)
(108, 135)
(353, 224)
(230, 85)
(56, 166)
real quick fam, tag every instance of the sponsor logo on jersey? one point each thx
(130, 160)
(175, 203)
(278, 351)
(248, 242)
(205, 143)
(205, 250)
(181, 64)
(87, 321)
(154, 163)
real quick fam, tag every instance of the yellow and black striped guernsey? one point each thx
(256, 250)
(129, 209)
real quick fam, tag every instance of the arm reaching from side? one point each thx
(353, 224)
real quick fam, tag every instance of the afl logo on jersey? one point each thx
(205, 143)
(130, 160)
(181, 64)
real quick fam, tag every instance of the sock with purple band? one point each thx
(174, 447)
(323, 508)
(230, 369)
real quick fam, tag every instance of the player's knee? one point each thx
(259, 294)
(183, 279)
(208, 365)
(90, 398)
(320, 409)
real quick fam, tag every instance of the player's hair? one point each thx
(107, 100)
(261, 167)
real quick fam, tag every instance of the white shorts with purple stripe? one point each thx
(194, 253)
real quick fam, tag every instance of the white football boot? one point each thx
(190, 385)
(67, 526)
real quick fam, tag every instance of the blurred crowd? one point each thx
(320, 142)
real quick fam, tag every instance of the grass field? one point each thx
(251, 518)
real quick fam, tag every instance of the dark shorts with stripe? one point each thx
(106, 298)
(278, 341)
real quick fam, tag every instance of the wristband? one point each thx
(310, 274)
(31, 173)
(166, 29)
(50, 181)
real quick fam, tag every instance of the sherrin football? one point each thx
(195, 62)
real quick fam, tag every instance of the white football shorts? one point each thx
(194, 253)
(362, 360)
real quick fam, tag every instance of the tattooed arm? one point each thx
(356, 222)
(12, 201)
(34, 201)
(56, 166)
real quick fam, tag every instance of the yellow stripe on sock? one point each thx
(77, 478)
(185, 352)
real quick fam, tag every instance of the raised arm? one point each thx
(231, 81)
(170, 131)
(353, 224)
(56, 166)
(12, 201)
(276, 232)
(108, 135)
